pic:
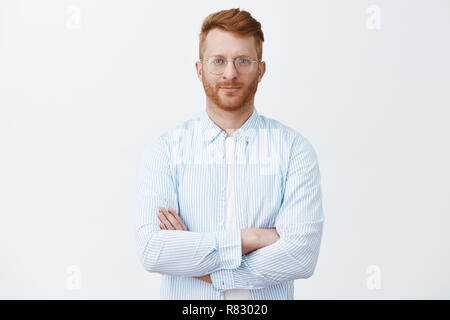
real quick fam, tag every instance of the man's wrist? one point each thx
(250, 240)
(257, 238)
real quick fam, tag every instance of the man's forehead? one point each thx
(220, 34)
(245, 46)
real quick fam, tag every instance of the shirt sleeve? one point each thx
(175, 252)
(299, 223)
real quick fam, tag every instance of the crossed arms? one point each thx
(252, 238)
(225, 255)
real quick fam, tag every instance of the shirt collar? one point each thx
(247, 131)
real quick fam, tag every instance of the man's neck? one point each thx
(229, 121)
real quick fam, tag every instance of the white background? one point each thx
(85, 85)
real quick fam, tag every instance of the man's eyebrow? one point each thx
(221, 55)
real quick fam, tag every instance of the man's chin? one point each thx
(229, 106)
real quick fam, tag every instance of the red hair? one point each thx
(233, 20)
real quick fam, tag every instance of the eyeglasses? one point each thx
(217, 65)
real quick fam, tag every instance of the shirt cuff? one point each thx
(234, 279)
(243, 275)
(229, 244)
(223, 279)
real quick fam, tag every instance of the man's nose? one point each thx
(230, 71)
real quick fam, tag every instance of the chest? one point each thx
(204, 193)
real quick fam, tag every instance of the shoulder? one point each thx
(287, 136)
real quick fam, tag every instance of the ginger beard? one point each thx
(228, 101)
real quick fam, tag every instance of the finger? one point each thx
(162, 217)
(163, 222)
(173, 221)
(174, 213)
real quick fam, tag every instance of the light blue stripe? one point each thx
(277, 185)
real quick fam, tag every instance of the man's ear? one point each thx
(198, 68)
(262, 70)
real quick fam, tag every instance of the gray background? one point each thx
(86, 85)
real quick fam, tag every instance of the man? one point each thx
(229, 203)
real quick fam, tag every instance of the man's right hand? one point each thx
(170, 220)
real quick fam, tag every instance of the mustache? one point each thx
(227, 84)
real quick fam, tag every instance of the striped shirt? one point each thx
(276, 185)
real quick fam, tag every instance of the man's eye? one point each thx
(243, 61)
(217, 61)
